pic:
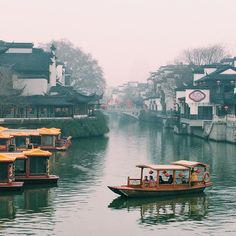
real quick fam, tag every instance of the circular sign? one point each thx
(197, 96)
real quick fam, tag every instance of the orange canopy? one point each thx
(37, 152)
(49, 131)
(6, 158)
(5, 136)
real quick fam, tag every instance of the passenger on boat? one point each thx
(151, 181)
(145, 181)
(170, 180)
(161, 181)
(193, 177)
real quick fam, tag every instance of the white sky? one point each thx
(129, 38)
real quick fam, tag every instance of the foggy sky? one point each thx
(129, 38)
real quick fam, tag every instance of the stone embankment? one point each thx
(220, 130)
(76, 127)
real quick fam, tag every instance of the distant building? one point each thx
(212, 94)
(41, 80)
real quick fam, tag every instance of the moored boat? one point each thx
(23, 139)
(7, 174)
(180, 177)
(32, 167)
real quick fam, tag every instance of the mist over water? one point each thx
(83, 205)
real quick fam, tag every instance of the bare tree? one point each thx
(204, 55)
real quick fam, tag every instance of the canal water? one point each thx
(83, 205)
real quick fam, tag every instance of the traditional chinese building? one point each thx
(38, 85)
(213, 94)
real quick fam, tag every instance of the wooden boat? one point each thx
(7, 175)
(32, 167)
(23, 139)
(184, 177)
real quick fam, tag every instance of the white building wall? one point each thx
(180, 94)
(228, 72)
(19, 50)
(53, 74)
(31, 86)
(193, 108)
(209, 70)
(196, 77)
(60, 74)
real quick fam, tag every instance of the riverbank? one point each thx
(76, 127)
(220, 130)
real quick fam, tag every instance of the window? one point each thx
(20, 167)
(2, 141)
(4, 171)
(47, 140)
(38, 165)
(20, 141)
(205, 112)
(36, 140)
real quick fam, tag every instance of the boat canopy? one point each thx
(2, 128)
(12, 156)
(6, 158)
(16, 155)
(37, 152)
(164, 167)
(29, 132)
(49, 131)
(189, 164)
(5, 136)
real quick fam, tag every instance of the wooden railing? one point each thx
(134, 182)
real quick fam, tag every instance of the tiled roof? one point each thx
(28, 63)
(72, 94)
(15, 45)
(216, 75)
(37, 100)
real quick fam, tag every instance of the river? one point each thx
(83, 205)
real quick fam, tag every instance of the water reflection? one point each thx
(7, 208)
(36, 199)
(84, 156)
(154, 211)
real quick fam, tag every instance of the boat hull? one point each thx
(144, 192)
(14, 186)
(51, 179)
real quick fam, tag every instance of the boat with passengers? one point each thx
(23, 139)
(180, 177)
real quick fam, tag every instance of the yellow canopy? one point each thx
(6, 158)
(2, 128)
(17, 155)
(37, 152)
(5, 136)
(49, 131)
